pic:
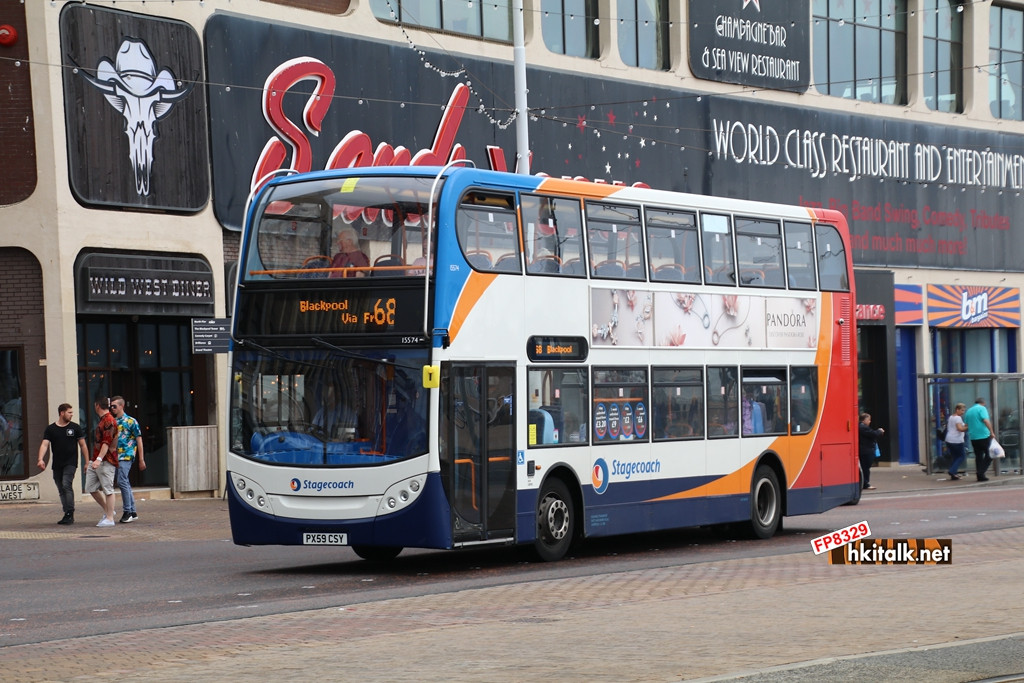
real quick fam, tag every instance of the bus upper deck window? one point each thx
(486, 227)
(716, 241)
(831, 259)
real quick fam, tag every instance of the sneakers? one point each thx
(982, 478)
(68, 518)
(955, 477)
(869, 488)
(126, 517)
(106, 522)
(134, 517)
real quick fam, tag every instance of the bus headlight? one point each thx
(401, 494)
(252, 493)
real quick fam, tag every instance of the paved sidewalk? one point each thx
(661, 624)
(914, 478)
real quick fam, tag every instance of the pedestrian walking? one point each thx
(129, 446)
(979, 431)
(866, 449)
(64, 439)
(956, 429)
(99, 474)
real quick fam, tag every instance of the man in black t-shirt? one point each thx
(64, 439)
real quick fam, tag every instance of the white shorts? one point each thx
(100, 479)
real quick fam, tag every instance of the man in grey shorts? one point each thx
(99, 473)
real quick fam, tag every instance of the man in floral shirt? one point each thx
(99, 475)
(129, 444)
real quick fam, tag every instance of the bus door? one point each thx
(478, 451)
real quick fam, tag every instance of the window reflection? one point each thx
(875, 35)
(13, 463)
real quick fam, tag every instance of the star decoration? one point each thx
(581, 122)
(611, 118)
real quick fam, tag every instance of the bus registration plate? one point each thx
(324, 539)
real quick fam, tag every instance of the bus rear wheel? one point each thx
(377, 553)
(556, 521)
(765, 503)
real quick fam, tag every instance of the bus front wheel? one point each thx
(765, 503)
(377, 553)
(556, 521)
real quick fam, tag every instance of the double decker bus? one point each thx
(512, 359)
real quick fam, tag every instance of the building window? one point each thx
(957, 350)
(943, 55)
(492, 20)
(568, 27)
(875, 35)
(1006, 57)
(13, 463)
(643, 33)
(327, 6)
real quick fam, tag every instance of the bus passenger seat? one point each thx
(541, 421)
(384, 266)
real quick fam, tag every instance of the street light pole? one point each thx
(519, 83)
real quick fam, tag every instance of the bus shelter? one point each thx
(1003, 395)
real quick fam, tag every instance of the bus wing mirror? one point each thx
(431, 377)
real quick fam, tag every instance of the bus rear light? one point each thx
(240, 484)
(392, 503)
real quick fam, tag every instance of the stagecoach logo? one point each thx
(599, 476)
(132, 86)
(296, 484)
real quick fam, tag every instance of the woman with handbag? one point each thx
(866, 449)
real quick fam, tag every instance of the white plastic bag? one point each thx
(995, 450)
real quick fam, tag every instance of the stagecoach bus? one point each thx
(450, 357)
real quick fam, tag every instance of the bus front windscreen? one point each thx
(340, 228)
(329, 408)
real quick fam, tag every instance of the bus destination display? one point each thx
(362, 312)
(556, 349)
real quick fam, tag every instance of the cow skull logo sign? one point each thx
(132, 86)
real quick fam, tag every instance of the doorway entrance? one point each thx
(152, 366)
(478, 449)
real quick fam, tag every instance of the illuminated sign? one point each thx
(556, 349)
(350, 311)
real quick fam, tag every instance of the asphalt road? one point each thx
(177, 567)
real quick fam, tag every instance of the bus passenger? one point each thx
(349, 255)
